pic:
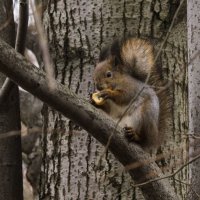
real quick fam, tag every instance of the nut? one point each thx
(97, 99)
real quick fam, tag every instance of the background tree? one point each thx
(194, 88)
(76, 32)
(10, 146)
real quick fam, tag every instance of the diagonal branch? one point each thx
(79, 110)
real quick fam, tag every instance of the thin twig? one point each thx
(153, 159)
(8, 20)
(160, 178)
(9, 134)
(182, 182)
(169, 30)
(190, 135)
(173, 174)
(6, 23)
(19, 45)
(16, 133)
(48, 64)
(194, 57)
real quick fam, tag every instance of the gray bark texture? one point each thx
(193, 17)
(77, 30)
(10, 147)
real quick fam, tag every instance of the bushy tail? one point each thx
(136, 54)
(163, 91)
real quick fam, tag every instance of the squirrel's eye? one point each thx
(108, 74)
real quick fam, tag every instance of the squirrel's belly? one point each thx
(126, 121)
(118, 113)
(131, 118)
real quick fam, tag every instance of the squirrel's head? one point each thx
(107, 74)
(132, 55)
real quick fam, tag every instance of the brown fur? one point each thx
(120, 76)
(140, 53)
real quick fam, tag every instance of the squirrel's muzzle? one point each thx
(100, 86)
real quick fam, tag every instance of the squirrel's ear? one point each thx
(116, 52)
(104, 54)
(115, 61)
(115, 48)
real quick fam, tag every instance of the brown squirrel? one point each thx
(123, 94)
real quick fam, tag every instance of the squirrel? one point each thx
(122, 92)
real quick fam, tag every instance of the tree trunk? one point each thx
(77, 30)
(194, 88)
(10, 146)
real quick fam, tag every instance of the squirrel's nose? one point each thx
(99, 86)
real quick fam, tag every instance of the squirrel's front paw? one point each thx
(131, 134)
(104, 94)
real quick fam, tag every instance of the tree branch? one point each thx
(79, 110)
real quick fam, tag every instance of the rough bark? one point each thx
(81, 112)
(194, 90)
(10, 147)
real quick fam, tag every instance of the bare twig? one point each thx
(16, 133)
(182, 182)
(190, 135)
(9, 134)
(194, 57)
(6, 23)
(160, 178)
(153, 159)
(8, 20)
(19, 45)
(48, 64)
(169, 30)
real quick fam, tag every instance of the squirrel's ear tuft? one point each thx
(115, 61)
(104, 54)
(115, 48)
(116, 52)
